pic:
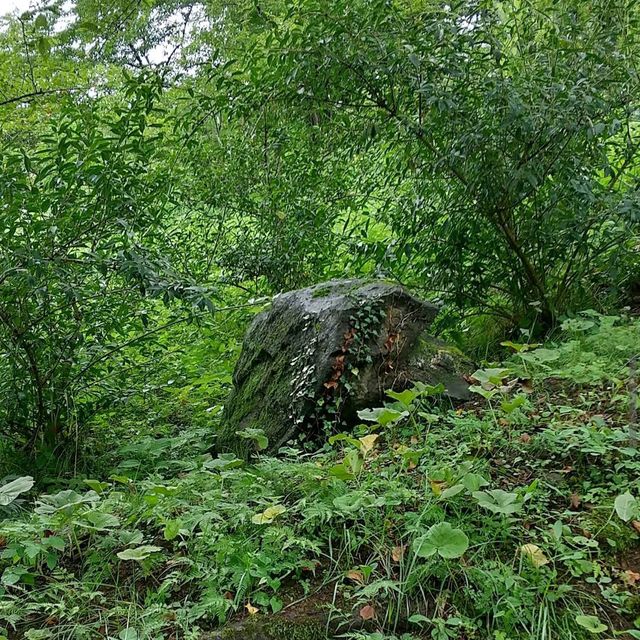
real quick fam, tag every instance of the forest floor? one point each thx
(515, 516)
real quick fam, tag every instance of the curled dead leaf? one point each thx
(367, 612)
(356, 576)
(630, 577)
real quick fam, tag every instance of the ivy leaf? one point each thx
(442, 539)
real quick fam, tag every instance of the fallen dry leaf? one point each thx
(535, 555)
(630, 577)
(356, 576)
(397, 553)
(527, 386)
(367, 612)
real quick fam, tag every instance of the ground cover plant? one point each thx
(168, 166)
(514, 516)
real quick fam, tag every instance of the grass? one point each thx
(171, 543)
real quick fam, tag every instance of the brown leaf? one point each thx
(575, 501)
(356, 576)
(251, 609)
(397, 553)
(527, 386)
(636, 525)
(630, 577)
(367, 612)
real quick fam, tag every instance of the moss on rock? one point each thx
(297, 354)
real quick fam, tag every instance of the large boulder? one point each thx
(320, 354)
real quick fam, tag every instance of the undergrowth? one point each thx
(512, 517)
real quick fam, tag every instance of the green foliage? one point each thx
(438, 520)
(484, 153)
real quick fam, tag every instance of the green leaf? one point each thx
(498, 501)
(626, 506)
(383, 415)
(341, 472)
(10, 491)
(509, 406)
(139, 553)
(541, 356)
(257, 435)
(491, 377)
(451, 491)
(405, 398)
(128, 634)
(96, 485)
(591, 624)
(473, 481)
(487, 394)
(224, 461)
(41, 21)
(98, 521)
(442, 539)
(171, 529)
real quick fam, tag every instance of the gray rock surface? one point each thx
(320, 354)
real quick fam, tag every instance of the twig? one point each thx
(28, 97)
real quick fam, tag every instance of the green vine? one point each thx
(324, 408)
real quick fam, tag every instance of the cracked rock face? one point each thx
(320, 354)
